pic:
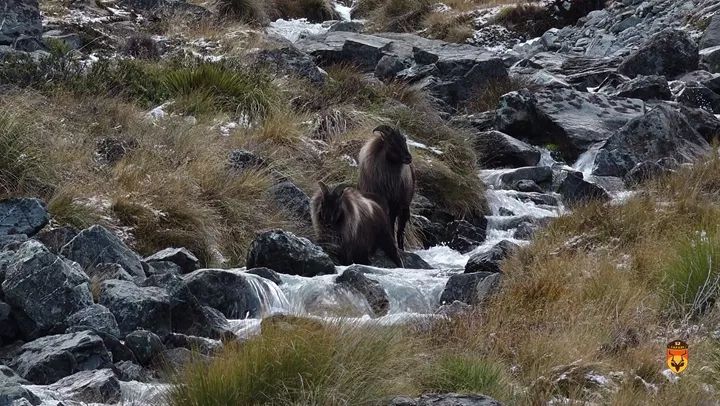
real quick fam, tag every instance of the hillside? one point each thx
(158, 157)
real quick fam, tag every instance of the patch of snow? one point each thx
(597, 379)
(420, 145)
(350, 160)
(158, 112)
(293, 30)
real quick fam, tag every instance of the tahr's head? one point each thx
(395, 144)
(329, 205)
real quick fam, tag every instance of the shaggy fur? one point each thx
(386, 170)
(354, 223)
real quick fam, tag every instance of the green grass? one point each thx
(466, 374)
(23, 169)
(692, 281)
(299, 362)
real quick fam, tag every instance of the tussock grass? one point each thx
(251, 11)
(261, 12)
(301, 363)
(488, 97)
(466, 373)
(394, 15)
(450, 27)
(23, 169)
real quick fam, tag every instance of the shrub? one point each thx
(208, 88)
(530, 19)
(300, 362)
(692, 281)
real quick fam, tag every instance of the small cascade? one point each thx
(272, 298)
(321, 296)
(586, 161)
(343, 10)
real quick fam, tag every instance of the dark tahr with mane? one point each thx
(386, 170)
(355, 224)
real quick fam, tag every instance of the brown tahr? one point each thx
(386, 170)
(354, 223)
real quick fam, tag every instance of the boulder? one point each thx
(174, 359)
(95, 318)
(370, 289)
(189, 316)
(99, 386)
(463, 236)
(711, 36)
(56, 238)
(51, 358)
(179, 256)
(490, 260)
(97, 245)
(22, 216)
(45, 288)
(669, 53)
(445, 399)
(470, 288)
(526, 186)
(145, 345)
(410, 261)
(266, 273)
(575, 190)
(22, 24)
(661, 133)
(229, 292)
(498, 150)
(8, 326)
(540, 175)
(106, 271)
(697, 95)
(570, 120)
(429, 232)
(241, 160)
(292, 199)
(129, 371)
(7, 375)
(136, 307)
(14, 394)
(641, 87)
(710, 57)
(704, 122)
(202, 345)
(648, 170)
(119, 351)
(288, 60)
(162, 267)
(286, 253)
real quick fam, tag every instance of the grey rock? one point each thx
(389, 66)
(711, 36)
(229, 292)
(46, 288)
(445, 399)
(56, 238)
(22, 216)
(710, 57)
(7, 375)
(669, 53)
(491, 260)
(643, 88)
(96, 245)
(571, 120)
(286, 253)
(175, 359)
(498, 150)
(541, 175)
(292, 199)
(463, 236)
(470, 288)
(136, 307)
(370, 289)
(527, 185)
(661, 133)
(8, 326)
(241, 159)
(51, 358)
(13, 394)
(179, 256)
(162, 267)
(576, 190)
(697, 95)
(648, 170)
(146, 345)
(266, 273)
(410, 260)
(129, 371)
(95, 318)
(99, 386)
(106, 271)
(202, 345)
(703, 121)
(21, 23)
(348, 26)
(288, 60)
(10, 243)
(119, 351)
(525, 231)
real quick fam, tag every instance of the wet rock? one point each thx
(145, 345)
(100, 386)
(445, 399)
(7, 375)
(348, 26)
(136, 307)
(179, 256)
(129, 371)
(46, 288)
(568, 119)
(189, 316)
(14, 394)
(643, 88)
(491, 260)
(51, 358)
(162, 267)
(95, 318)
(96, 245)
(292, 199)
(454, 309)
(470, 288)
(540, 175)
(697, 95)
(669, 53)
(526, 186)
(371, 290)
(430, 233)
(410, 261)
(661, 133)
(8, 326)
(56, 238)
(710, 57)
(22, 216)
(648, 170)
(202, 345)
(266, 273)
(575, 190)
(175, 359)
(525, 231)
(119, 351)
(703, 121)
(228, 292)
(286, 253)
(498, 150)
(22, 24)
(288, 60)
(463, 236)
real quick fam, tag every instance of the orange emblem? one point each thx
(677, 356)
